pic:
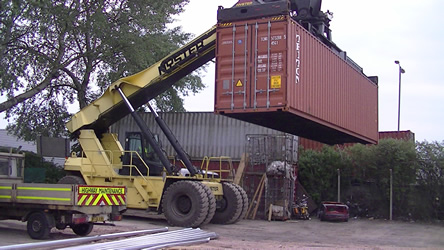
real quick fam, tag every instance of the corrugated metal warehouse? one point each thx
(200, 133)
(208, 134)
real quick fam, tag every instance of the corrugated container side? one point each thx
(200, 133)
(399, 135)
(273, 73)
(310, 144)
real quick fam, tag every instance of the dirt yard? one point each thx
(248, 234)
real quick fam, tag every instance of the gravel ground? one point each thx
(258, 234)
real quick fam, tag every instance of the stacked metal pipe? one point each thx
(156, 239)
(182, 237)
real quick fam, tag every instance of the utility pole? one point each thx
(339, 185)
(391, 195)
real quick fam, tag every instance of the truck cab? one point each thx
(11, 167)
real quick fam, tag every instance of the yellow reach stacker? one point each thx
(188, 200)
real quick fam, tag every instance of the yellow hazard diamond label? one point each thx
(239, 83)
(275, 82)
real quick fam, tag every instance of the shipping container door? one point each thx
(232, 70)
(269, 76)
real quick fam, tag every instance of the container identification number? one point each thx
(298, 59)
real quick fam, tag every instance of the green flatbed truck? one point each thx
(45, 206)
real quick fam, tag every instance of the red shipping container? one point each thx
(274, 73)
(399, 135)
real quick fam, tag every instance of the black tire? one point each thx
(244, 201)
(82, 229)
(61, 226)
(71, 179)
(185, 204)
(211, 204)
(38, 225)
(229, 208)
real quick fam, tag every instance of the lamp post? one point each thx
(339, 185)
(401, 71)
(391, 195)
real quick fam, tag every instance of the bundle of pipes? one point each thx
(157, 238)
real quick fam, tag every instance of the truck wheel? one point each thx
(38, 225)
(61, 226)
(229, 208)
(82, 229)
(71, 179)
(211, 204)
(185, 204)
(244, 201)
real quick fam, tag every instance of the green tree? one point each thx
(317, 172)
(400, 156)
(56, 53)
(429, 193)
(365, 175)
(363, 181)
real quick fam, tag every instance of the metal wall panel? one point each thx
(310, 144)
(200, 133)
(399, 135)
(272, 72)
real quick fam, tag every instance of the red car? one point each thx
(333, 211)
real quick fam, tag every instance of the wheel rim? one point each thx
(222, 205)
(183, 205)
(36, 226)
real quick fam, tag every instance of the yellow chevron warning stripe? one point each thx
(81, 199)
(101, 195)
(122, 201)
(89, 200)
(114, 199)
(97, 199)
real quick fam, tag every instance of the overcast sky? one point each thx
(374, 34)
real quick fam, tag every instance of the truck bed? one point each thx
(80, 198)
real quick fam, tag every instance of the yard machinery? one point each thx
(155, 184)
(189, 200)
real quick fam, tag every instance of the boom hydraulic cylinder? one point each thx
(174, 142)
(147, 133)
